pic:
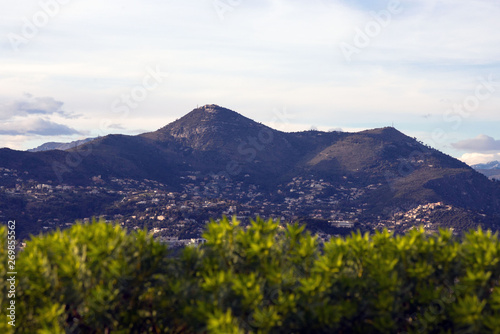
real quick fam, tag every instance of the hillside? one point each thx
(213, 152)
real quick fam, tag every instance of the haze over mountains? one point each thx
(60, 146)
(490, 169)
(489, 165)
(224, 147)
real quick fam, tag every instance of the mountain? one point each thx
(60, 146)
(489, 165)
(490, 169)
(212, 139)
(214, 152)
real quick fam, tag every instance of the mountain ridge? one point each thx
(490, 169)
(489, 165)
(225, 148)
(59, 145)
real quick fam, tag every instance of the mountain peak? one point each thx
(208, 126)
(388, 133)
(211, 108)
(213, 112)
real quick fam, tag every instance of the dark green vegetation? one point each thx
(61, 208)
(96, 278)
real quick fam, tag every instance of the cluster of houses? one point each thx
(173, 214)
(420, 216)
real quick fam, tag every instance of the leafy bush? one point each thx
(96, 278)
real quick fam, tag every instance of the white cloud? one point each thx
(116, 126)
(479, 158)
(31, 105)
(35, 126)
(481, 143)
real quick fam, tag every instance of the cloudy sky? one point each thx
(72, 69)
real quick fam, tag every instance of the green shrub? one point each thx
(90, 278)
(96, 278)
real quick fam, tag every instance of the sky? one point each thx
(72, 69)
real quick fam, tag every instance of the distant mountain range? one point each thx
(490, 169)
(220, 144)
(60, 146)
(489, 165)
